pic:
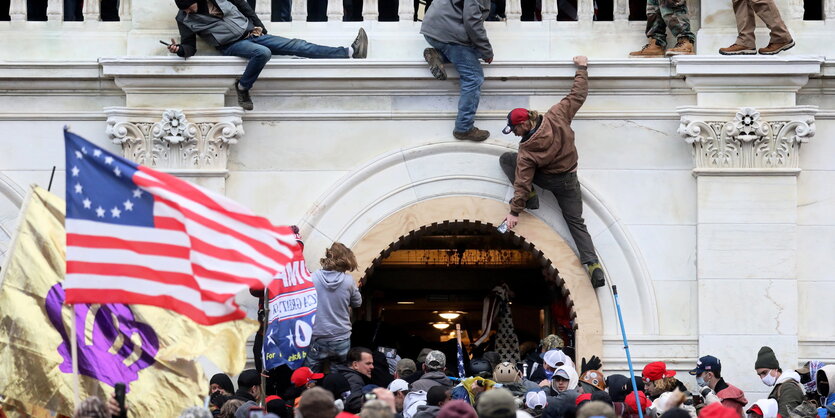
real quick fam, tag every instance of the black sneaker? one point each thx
(436, 63)
(244, 100)
(533, 202)
(597, 277)
(473, 134)
(360, 45)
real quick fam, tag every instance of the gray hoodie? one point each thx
(337, 294)
(459, 22)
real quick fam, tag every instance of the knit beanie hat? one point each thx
(496, 403)
(223, 381)
(457, 409)
(766, 359)
(184, 4)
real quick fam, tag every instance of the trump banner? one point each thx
(292, 310)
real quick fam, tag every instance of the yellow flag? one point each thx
(151, 350)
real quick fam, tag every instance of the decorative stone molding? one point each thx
(170, 141)
(748, 143)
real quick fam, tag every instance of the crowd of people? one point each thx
(546, 385)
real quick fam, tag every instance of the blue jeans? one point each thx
(319, 351)
(465, 60)
(260, 49)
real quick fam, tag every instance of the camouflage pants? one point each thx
(664, 13)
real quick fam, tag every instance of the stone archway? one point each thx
(533, 233)
(404, 190)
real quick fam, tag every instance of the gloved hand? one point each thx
(709, 395)
(594, 363)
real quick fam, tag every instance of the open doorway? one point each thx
(449, 268)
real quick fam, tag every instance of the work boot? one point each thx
(360, 45)
(473, 134)
(244, 100)
(596, 273)
(436, 63)
(533, 201)
(650, 50)
(737, 49)
(684, 46)
(773, 48)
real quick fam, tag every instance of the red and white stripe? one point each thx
(203, 250)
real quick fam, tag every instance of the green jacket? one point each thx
(787, 392)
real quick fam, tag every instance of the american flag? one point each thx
(461, 372)
(138, 236)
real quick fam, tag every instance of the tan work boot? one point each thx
(772, 49)
(737, 49)
(650, 50)
(683, 47)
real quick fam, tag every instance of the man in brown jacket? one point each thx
(547, 157)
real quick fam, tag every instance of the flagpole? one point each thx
(74, 354)
(264, 344)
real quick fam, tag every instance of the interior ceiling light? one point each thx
(441, 325)
(449, 316)
(406, 302)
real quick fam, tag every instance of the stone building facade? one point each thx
(708, 181)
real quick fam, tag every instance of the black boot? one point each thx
(244, 100)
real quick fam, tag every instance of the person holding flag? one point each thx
(337, 294)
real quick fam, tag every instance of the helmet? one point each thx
(506, 373)
(480, 367)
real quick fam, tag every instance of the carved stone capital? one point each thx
(193, 143)
(749, 142)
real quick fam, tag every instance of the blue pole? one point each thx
(628, 357)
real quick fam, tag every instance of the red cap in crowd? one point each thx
(716, 410)
(656, 371)
(515, 117)
(302, 375)
(630, 401)
(584, 397)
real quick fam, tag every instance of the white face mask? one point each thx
(769, 379)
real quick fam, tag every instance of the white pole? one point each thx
(74, 351)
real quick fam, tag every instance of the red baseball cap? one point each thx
(302, 375)
(584, 397)
(515, 117)
(656, 371)
(630, 401)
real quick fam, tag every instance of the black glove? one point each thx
(594, 363)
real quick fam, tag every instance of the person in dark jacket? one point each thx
(787, 389)
(455, 31)
(433, 373)
(547, 157)
(708, 373)
(233, 28)
(249, 388)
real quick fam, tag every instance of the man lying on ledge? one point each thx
(233, 28)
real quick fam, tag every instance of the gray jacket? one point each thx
(337, 293)
(238, 20)
(459, 22)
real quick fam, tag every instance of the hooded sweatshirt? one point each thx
(829, 372)
(731, 396)
(788, 392)
(337, 293)
(768, 407)
(573, 379)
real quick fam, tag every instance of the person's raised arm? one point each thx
(474, 25)
(568, 106)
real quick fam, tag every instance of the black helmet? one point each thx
(481, 367)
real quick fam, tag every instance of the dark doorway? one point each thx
(450, 268)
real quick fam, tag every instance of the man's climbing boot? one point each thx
(598, 279)
(683, 47)
(650, 50)
(244, 100)
(473, 134)
(436, 63)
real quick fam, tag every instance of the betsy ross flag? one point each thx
(139, 236)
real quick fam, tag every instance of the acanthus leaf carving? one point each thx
(175, 142)
(747, 141)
